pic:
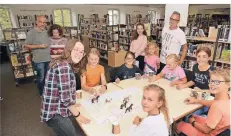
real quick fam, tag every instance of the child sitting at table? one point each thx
(172, 71)
(152, 61)
(200, 70)
(94, 73)
(218, 118)
(157, 123)
(128, 69)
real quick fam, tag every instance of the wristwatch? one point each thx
(77, 115)
(193, 123)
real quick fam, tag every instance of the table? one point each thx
(177, 108)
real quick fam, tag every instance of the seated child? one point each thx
(128, 69)
(157, 123)
(218, 118)
(172, 71)
(152, 62)
(94, 74)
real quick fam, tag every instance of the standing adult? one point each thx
(139, 44)
(173, 38)
(38, 41)
(58, 108)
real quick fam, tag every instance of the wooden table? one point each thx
(175, 98)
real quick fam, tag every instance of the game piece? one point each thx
(129, 108)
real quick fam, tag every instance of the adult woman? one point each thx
(139, 44)
(57, 41)
(58, 101)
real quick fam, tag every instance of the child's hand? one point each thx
(191, 100)
(137, 120)
(102, 89)
(173, 83)
(93, 91)
(181, 86)
(117, 80)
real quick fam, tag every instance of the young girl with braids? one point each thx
(157, 123)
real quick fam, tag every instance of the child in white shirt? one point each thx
(157, 123)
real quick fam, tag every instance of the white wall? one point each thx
(87, 10)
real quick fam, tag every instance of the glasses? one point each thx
(79, 52)
(216, 82)
(173, 19)
(129, 58)
(42, 22)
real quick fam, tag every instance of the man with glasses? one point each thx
(173, 38)
(38, 41)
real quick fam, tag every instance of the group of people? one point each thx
(56, 81)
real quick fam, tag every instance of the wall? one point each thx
(87, 10)
(208, 8)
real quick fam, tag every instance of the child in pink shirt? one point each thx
(218, 118)
(152, 62)
(172, 71)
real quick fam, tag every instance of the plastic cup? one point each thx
(79, 94)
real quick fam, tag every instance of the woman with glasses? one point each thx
(128, 69)
(58, 107)
(218, 119)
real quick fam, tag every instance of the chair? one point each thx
(112, 73)
(225, 133)
(78, 81)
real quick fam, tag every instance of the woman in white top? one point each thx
(157, 123)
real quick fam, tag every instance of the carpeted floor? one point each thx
(20, 108)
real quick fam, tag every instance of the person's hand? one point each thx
(117, 80)
(191, 100)
(173, 83)
(93, 91)
(191, 119)
(43, 46)
(137, 121)
(181, 86)
(82, 119)
(102, 89)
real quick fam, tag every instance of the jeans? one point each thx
(200, 111)
(41, 69)
(63, 126)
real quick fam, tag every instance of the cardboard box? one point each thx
(116, 59)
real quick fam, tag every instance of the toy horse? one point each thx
(129, 108)
(124, 105)
(95, 99)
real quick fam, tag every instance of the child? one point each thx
(94, 73)
(152, 62)
(200, 70)
(218, 118)
(157, 123)
(172, 71)
(128, 69)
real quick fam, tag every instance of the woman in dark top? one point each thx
(128, 69)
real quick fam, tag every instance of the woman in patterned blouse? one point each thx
(58, 107)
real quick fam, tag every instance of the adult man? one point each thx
(38, 41)
(173, 38)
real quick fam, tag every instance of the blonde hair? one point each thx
(94, 51)
(223, 72)
(174, 57)
(148, 46)
(161, 97)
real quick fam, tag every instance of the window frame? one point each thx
(113, 22)
(9, 13)
(53, 13)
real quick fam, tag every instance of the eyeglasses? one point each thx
(216, 82)
(79, 52)
(173, 19)
(129, 58)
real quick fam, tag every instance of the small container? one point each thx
(115, 128)
(138, 76)
(79, 94)
(151, 74)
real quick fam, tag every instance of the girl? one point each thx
(200, 70)
(94, 74)
(157, 123)
(128, 69)
(138, 44)
(58, 107)
(172, 71)
(57, 42)
(152, 62)
(218, 118)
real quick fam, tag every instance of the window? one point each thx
(113, 17)
(5, 20)
(152, 14)
(62, 17)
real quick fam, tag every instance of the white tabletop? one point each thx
(175, 98)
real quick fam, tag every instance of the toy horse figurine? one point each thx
(124, 105)
(126, 99)
(129, 108)
(108, 101)
(95, 99)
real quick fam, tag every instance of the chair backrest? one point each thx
(78, 81)
(112, 73)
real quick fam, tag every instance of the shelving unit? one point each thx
(20, 59)
(71, 32)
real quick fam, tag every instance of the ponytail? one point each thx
(164, 111)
